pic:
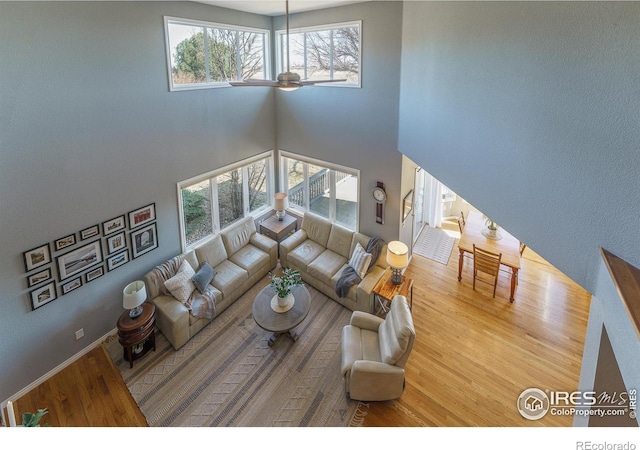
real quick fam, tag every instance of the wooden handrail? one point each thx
(626, 278)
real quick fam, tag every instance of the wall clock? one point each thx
(380, 196)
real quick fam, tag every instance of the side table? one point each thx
(137, 330)
(384, 292)
(278, 230)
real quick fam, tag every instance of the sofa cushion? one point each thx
(203, 277)
(229, 278)
(325, 266)
(317, 228)
(360, 260)
(305, 253)
(340, 240)
(251, 259)
(237, 236)
(192, 258)
(180, 285)
(212, 251)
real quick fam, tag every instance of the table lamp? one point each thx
(398, 259)
(280, 204)
(133, 296)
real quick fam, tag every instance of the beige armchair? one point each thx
(375, 351)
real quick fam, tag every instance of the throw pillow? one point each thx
(203, 277)
(180, 285)
(360, 260)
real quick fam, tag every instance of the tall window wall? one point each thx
(323, 188)
(204, 54)
(323, 52)
(213, 201)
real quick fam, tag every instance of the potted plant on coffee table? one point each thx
(283, 284)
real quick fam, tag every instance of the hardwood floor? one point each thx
(88, 393)
(472, 358)
(474, 354)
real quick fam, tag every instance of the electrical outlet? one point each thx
(79, 333)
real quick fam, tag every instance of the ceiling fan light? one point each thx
(289, 88)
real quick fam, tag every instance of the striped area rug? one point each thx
(227, 375)
(435, 244)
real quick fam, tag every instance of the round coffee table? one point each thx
(277, 322)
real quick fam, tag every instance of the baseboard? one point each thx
(55, 370)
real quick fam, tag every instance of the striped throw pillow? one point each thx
(360, 260)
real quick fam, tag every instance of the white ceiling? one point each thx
(277, 8)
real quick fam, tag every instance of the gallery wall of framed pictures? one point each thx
(83, 256)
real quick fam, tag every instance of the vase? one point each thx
(284, 301)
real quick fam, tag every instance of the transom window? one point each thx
(324, 52)
(205, 54)
(213, 201)
(325, 189)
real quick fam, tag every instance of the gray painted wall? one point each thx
(530, 111)
(89, 131)
(363, 123)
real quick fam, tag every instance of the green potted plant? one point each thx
(283, 284)
(492, 228)
(33, 420)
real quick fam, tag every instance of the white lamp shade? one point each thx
(397, 254)
(134, 295)
(280, 201)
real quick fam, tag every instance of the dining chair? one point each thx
(464, 222)
(460, 224)
(522, 248)
(488, 263)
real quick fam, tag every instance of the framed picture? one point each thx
(79, 259)
(42, 295)
(93, 274)
(90, 232)
(66, 241)
(142, 215)
(37, 257)
(144, 240)
(113, 225)
(407, 205)
(115, 261)
(116, 242)
(71, 285)
(39, 277)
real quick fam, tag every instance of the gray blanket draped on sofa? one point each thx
(349, 277)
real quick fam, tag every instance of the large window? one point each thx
(323, 188)
(203, 54)
(323, 53)
(213, 201)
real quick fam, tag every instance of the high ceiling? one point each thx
(277, 8)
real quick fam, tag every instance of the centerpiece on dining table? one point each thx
(282, 285)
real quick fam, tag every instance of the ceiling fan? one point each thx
(287, 81)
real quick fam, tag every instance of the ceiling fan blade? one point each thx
(311, 82)
(268, 83)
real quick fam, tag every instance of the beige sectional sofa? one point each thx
(321, 250)
(240, 257)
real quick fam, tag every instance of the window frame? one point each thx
(200, 23)
(213, 191)
(283, 184)
(279, 44)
